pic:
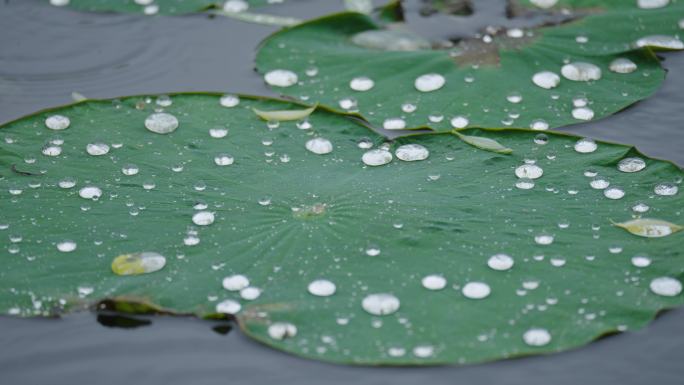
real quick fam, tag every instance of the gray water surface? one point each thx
(47, 53)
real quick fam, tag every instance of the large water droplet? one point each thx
(66, 246)
(235, 282)
(90, 192)
(459, 122)
(424, 351)
(660, 41)
(280, 78)
(500, 262)
(652, 4)
(376, 157)
(631, 165)
(434, 282)
(282, 330)
(228, 306)
(250, 293)
(429, 82)
(380, 304)
(321, 288)
(666, 286)
(581, 71)
(546, 79)
(203, 218)
(476, 290)
(622, 65)
(320, 146)
(394, 124)
(412, 152)
(161, 123)
(223, 160)
(585, 146)
(130, 169)
(51, 150)
(537, 337)
(97, 149)
(529, 171)
(666, 189)
(361, 83)
(583, 113)
(641, 261)
(218, 132)
(599, 183)
(229, 100)
(543, 239)
(614, 193)
(57, 122)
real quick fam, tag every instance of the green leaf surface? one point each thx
(423, 232)
(162, 7)
(489, 83)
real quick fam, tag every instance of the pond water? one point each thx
(47, 53)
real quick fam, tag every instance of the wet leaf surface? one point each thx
(462, 256)
(592, 65)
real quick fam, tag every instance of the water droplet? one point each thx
(223, 160)
(537, 337)
(408, 107)
(51, 150)
(90, 192)
(372, 251)
(320, 146)
(660, 41)
(394, 124)
(581, 71)
(423, 351)
(67, 182)
(640, 207)
(229, 100)
(228, 306)
(500, 262)
(264, 201)
(539, 125)
(543, 239)
(280, 78)
(429, 82)
(666, 286)
(434, 282)
(396, 351)
(599, 183)
(412, 152)
(59, 3)
(235, 282)
(203, 218)
(376, 157)
(583, 113)
(364, 143)
(514, 97)
(361, 83)
(57, 122)
(651, 4)
(614, 193)
(459, 122)
(476, 290)
(665, 189)
(130, 169)
(282, 330)
(161, 123)
(524, 183)
(138, 263)
(622, 65)
(250, 293)
(641, 261)
(97, 149)
(218, 132)
(66, 246)
(304, 125)
(529, 171)
(585, 146)
(544, 3)
(380, 304)
(322, 288)
(631, 165)
(546, 79)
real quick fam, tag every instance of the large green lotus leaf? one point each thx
(165, 7)
(285, 217)
(488, 83)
